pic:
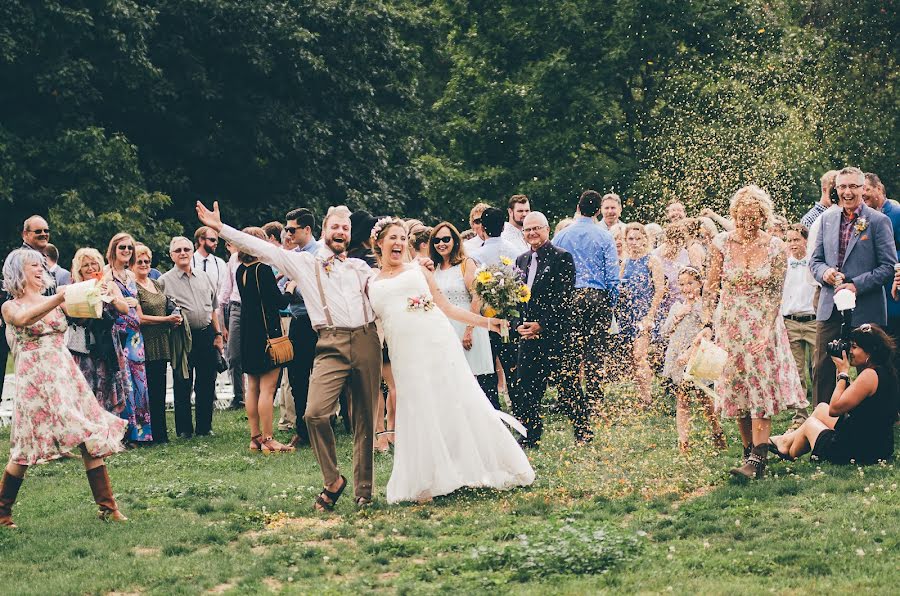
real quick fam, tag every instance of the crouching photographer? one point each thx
(858, 423)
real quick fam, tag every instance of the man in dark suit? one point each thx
(545, 332)
(854, 250)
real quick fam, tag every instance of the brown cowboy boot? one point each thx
(98, 478)
(755, 466)
(9, 490)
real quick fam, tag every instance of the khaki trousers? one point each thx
(802, 335)
(351, 356)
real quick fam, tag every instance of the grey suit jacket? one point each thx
(868, 263)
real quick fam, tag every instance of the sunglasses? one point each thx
(125, 247)
(476, 221)
(182, 249)
(442, 240)
(40, 231)
(142, 262)
(290, 229)
(213, 240)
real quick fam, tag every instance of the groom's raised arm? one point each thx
(287, 262)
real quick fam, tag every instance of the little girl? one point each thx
(681, 327)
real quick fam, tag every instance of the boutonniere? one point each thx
(861, 224)
(328, 266)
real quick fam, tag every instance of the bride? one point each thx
(448, 433)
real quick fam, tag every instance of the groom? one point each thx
(348, 349)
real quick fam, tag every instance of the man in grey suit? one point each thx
(854, 250)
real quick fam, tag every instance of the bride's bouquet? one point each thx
(501, 289)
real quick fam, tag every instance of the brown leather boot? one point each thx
(9, 490)
(755, 466)
(98, 478)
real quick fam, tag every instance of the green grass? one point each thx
(627, 514)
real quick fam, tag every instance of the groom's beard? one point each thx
(336, 246)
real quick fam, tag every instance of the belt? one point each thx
(801, 318)
(327, 329)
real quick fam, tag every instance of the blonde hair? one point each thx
(14, 271)
(828, 178)
(82, 255)
(341, 211)
(142, 249)
(640, 228)
(477, 210)
(562, 225)
(752, 195)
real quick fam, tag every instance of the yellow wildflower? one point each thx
(484, 277)
(524, 293)
(489, 312)
(506, 260)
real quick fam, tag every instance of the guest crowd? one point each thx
(610, 302)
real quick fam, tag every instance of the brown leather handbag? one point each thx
(280, 350)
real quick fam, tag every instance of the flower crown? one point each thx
(379, 225)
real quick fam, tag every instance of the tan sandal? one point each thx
(270, 445)
(255, 443)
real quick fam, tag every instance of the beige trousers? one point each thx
(351, 356)
(802, 335)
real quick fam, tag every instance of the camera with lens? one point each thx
(845, 301)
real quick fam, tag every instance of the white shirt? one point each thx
(345, 286)
(472, 245)
(228, 291)
(493, 249)
(214, 267)
(799, 288)
(515, 237)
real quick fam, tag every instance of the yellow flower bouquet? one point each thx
(501, 289)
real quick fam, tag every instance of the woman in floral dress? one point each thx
(121, 255)
(54, 409)
(746, 277)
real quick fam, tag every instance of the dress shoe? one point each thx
(185, 435)
(208, 433)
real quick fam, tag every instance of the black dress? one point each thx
(257, 298)
(865, 434)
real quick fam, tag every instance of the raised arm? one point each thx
(21, 317)
(284, 260)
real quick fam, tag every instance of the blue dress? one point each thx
(137, 405)
(635, 296)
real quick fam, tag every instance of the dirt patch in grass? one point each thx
(143, 551)
(273, 584)
(221, 588)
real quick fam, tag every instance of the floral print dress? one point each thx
(137, 404)
(756, 385)
(54, 410)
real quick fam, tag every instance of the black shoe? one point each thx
(239, 405)
(185, 435)
(208, 433)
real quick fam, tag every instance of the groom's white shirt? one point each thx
(344, 285)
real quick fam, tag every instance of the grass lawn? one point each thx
(626, 514)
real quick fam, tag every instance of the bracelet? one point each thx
(843, 376)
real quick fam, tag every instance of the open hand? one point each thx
(213, 218)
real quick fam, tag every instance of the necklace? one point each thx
(390, 272)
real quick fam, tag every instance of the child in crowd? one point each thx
(681, 327)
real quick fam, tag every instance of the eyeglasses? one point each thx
(442, 240)
(476, 221)
(175, 251)
(534, 229)
(213, 240)
(142, 262)
(850, 186)
(40, 231)
(125, 247)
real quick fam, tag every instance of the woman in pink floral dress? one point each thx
(746, 277)
(54, 409)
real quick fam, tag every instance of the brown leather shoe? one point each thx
(98, 478)
(9, 490)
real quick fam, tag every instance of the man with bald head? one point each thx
(36, 236)
(545, 332)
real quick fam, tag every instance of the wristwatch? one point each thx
(844, 376)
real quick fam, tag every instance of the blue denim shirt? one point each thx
(594, 252)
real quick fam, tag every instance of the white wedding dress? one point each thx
(448, 435)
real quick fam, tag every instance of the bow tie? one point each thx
(799, 263)
(340, 257)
